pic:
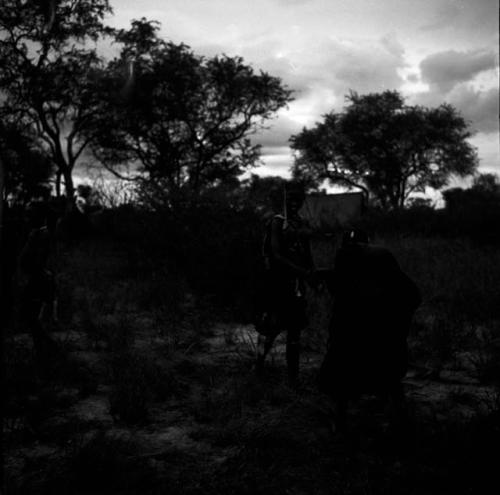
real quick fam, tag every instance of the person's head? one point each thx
(294, 197)
(37, 214)
(355, 236)
(80, 204)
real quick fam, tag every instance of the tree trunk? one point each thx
(69, 188)
(403, 193)
(1, 198)
(58, 184)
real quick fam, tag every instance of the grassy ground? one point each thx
(151, 392)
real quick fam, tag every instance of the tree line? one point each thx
(179, 125)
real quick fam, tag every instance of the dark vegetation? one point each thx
(150, 386)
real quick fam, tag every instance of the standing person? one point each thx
(374, 302)
(39, 293)
(288, 263)
(10, 237)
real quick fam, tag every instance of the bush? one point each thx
(131, 394)
(106, 464)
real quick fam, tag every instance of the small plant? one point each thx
(247, 343)
(106, 463)
(485, 355)
(120, 332)
(130, 395)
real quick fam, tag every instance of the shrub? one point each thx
(131, 394)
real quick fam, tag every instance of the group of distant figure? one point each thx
(373, 301)
(373, 305)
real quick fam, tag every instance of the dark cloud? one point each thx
(366, 66)
(321, 82)
(292, 2)
(446, 69)
(480, 108)
(444, 16)
(209, 49)
(274, 166)
(277, 151)
(322, 67)
(335, 66)
(278, 134)
(392, 45)
(465, 16)
(292, 76)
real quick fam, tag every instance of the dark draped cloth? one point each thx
(374, 302)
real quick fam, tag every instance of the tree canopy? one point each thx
(27, 168)
(385, 147)
(47, 73)
(182, 120)
(484, 194)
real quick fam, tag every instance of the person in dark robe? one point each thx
(374, 302)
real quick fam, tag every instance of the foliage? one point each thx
(475, 210)
(487, 183)
(184, 120)
(48, 73)
(265, 194)
(27, 167)
(385, 147)
(484, 194)
(215, 427)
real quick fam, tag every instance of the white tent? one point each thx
(329, 215)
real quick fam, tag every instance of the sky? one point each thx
(432, 51)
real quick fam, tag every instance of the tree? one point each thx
(47, 73)
(266, 195)
(26, 167)
(386, 148)
(484, 194)
(182, 120)
(487, 183)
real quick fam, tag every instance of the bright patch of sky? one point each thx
(431, 50)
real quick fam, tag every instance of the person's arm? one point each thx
(278, 252)
(334, 278)
(27, 257)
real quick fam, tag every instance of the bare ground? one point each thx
(208, 424)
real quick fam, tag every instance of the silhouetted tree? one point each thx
(265, 194)
(385, 147)
(475, 211)
(182, 119)
(47, 73)
(27, 168)
(487, 183)
(484, 194)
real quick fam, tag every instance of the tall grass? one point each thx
(152, 299)
(458, 280)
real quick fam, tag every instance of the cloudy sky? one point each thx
(433, 51)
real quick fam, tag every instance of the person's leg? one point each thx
(296, 320)
(264, 345)
(397, 405)
(335, 407)
(275, 323)
(41, 341)
(33, 307)
(50, 297)
(402, 429)
(293, 354)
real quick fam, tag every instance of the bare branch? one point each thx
(117, 174)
